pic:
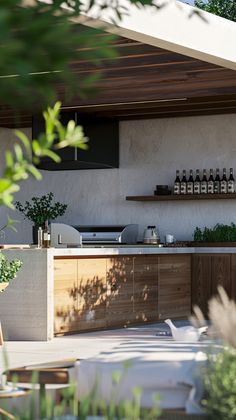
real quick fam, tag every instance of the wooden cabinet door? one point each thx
(220, 273)
(120, 292)
(91, 293)
(146, 288)
(209, 271)
(201, 281)
(65, 295)
(174, 286)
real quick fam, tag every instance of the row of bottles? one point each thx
(212, 185)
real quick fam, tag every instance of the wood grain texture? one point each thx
(221, 273)
(91, 293)
(120, 291)
(208, 272)
(146, 288)
(201, 281)
(65, 295)
(145, 75)
(174, 286)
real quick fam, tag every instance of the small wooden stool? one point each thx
(46, 376)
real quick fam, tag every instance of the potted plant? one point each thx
(216, 236)
(41, 210)
(8, 270)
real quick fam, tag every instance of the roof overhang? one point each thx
(171, 62)
(176, 27)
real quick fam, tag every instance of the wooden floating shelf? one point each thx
(173, 197)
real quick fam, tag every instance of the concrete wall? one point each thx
(150, 152)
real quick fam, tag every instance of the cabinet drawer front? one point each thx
(175, 309)
(64, 270)
(65, 295)
(173, 268)
(92, 272)
(145, 270)
(174, 286)
(119, 273)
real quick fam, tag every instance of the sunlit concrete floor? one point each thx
(99, 344)
(77, 346)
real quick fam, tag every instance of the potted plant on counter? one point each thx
(8, 270)
(41, 210)
(219, 235)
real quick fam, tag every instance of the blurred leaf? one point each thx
(9, 158)
(18, 152)
(35, 172)
(22, 136)
(4, 185)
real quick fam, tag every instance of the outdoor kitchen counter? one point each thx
(138, 249)
(76, 289)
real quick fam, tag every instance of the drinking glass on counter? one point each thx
(169, 239)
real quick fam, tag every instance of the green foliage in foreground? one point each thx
(38, 43)
(8, 269)
(40, 40)
(223, 8)
(70, 409)
(220, 383)
(219, 233)
(20, 163)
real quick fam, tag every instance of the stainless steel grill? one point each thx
(65, 235)
(108, 234)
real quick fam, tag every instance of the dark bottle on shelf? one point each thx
(197, 183)
(177, 184)
(210, 183)
(217, 182)
(231, 185)
(223, 183)
(203, 187)
(190, 183)
(183, 183)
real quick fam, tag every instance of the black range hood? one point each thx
(103, 145)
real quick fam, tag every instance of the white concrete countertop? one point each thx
(124, 250)
(140, 250)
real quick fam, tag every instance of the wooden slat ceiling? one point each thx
(148, 82)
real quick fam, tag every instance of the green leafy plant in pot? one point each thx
(8, 270)
(40, 210)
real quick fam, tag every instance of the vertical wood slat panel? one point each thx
(201, 281)
(221, 273)
(120, 291)
(146, 288)
(91, 293)
(174, 286)
(65, 295)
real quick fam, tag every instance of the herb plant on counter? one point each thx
(41, 209)
(219, 233)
